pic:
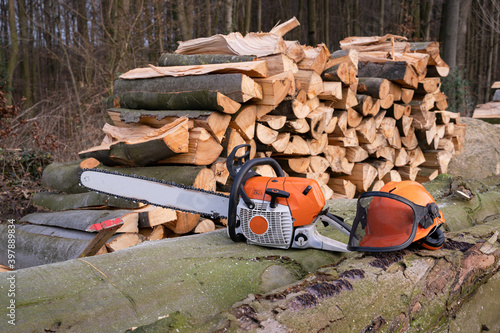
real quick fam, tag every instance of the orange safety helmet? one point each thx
(394, 217)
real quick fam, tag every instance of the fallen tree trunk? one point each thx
(410, 288)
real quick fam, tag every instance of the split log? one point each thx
(275, 88)
(437, 159)
(354, 118)
(340, 72)
(410, 140)
(402, 158)
(156, 216)
(364, 105)
(124, 241)
(279, 63)
(292, 109)
(184, 223)
(407, 95)
(408, 173)
(377, 185)
(342, 122)
(278, 146)
(362, 176)
(428, 85)
(313, 103)
(396, 111)
(297, 126)
(392, 176)
(173, 59)
(389, 153)
(265, 135)
(318, 164)
(294, 50)
(397, 71)
(343, 186)
(374, 87)
(249, 68)
(203, 149)
(283, 28)
(274, 122)
(152, 234)
(426, 175)
(387, 102)
(348, 100)
(349, 56)
(330, 128)
(238, 87)
(310, 82)
(366, 130)
(297, 146)
(382, 166)
(318, 119)
(395, 91)
(377, 144)
(350, 139)
(317, 146)
(258, 44)
(148, 146)
(244, 121)
(315, 58)
(356, 154)
(332, 91)
(214, 122)
(205, 225)
(297, 165)
(416, 157)
(220, 171)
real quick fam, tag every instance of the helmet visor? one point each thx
(383, 222)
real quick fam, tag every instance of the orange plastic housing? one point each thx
(304, 206)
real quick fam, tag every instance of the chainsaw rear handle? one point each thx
(237, 189)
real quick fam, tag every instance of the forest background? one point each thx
(58, 59)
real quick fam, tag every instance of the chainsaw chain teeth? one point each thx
(186, 187)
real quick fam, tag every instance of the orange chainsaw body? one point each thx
(306, 199)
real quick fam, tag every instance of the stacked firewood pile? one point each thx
(353, 120)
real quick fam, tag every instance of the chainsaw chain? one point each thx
(146, 202)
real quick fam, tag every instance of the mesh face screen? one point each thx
(382, 222)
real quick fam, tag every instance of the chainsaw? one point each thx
(279, 212)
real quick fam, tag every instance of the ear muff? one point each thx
(434, 241)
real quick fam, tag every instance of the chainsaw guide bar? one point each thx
(156, 192)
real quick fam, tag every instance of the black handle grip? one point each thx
(275, 194)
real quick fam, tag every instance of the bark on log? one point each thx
(398, 71)
(238, 87)
(57, 202)
(173, 59)
(442, 281)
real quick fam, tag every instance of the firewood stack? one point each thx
(353, 119)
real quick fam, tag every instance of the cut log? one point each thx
(145, 148)
(315, 58)
(356, 154)
(396, 111)
(410, 140)
(258, 44)
(374, 87)
(388, 153)
(205, 225)
(310, 82)
(318, 164)
(220, 171)
(425, 175)
(318, 119)
(392, 176)
(342, 122)
(152, 234)
(317, 146)
(238, 87)
(387, 102)
(441, 101)
(124, 241)
(274, 122)
(184, 223)
(339, 73)
(354, 118)
(438, 71)
(332, 91)
(397, 71)
(203, 149)
(250, 68)
(330, 128)
(395, 91)
(335, 156)
(377, 144)
(381, 165)
(377, 185)
(348, 100)
(366, 130)
(214, 122)
(364, 105)
(401, 158)
(295, 165)
(283, 28)
(292, 109)
(156, 216)
(437, 159)
(294, 50)
(297, 126)
(408, 173)
(343, 186)
(350, 139)
(362, 176)
(297, 146)
(265, 135)
(279, 63)
(64, 176)
(407, 95)
(275, 88)
(349, 56)
(244, 121)
(173, 59)
(416, 157)
(428, 85)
